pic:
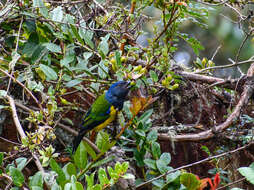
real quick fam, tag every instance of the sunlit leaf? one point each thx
(57, 14)
(190, 181)
(103, 176)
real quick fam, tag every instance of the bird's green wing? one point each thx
(98, 113)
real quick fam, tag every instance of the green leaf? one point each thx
(97, 187)
(139, 157)
(252, 165)
(80, 156)
(30, 25)
(173, 176)
(68, 186)
(118, 58)
(118, 168)
(247, 172)
(39, 4)
(53, 47)
(162, 167)
(128, 176)
(145, 116)
(125, 166)
(102, 141)
(69, 169)
(36, 180)
(152, 136)
(189, 180)
(3, 93)
(36, 188)
(77, 186)
(156, 150)
(67, 60)
(103, 178)
(102, 70)
(90, 150)
(140, 132)
(15, 58)
(1, 158)
(89, 180)
(150, 163)
(103, 161)
(49, 72)
(57, 14)
(166, 157)
(17, 176)
(21, 163)
(15, 188)
(56, 187)
(86, 35)
(73, 83)
(153, 75)
(38, 51)
(159, 183)
(76, 34)
(55, 167)
(112, 173)
(103, 46)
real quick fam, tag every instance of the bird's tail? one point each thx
(78, 139)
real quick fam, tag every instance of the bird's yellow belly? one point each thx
(111, 118)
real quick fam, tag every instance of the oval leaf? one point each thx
(17, 176)
(80, 156)
(189, 180)
(49, 72)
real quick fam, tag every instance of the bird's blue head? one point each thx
(116, 94)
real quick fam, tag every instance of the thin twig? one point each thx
(216, 51)
(223, 66)
(240, 48)
(229, 184)
(4, 139)
(101, 7)
(29, 92)
(16, 51)
(9, 179)
(171, 20)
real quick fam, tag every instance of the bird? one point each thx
(104, 110)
